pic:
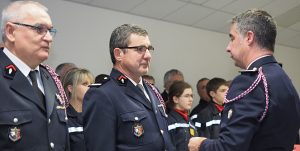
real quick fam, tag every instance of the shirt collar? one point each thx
(134, 83)
(24, 68)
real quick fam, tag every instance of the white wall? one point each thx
(84, 32)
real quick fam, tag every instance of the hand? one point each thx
(195, 142)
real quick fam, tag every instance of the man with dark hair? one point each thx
(262, 107)
(204, 98)
(208, 120)
(124, 112)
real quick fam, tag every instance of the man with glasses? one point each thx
(124, 112)
(32, 111)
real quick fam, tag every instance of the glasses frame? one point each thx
(141, 49)
(40, 29)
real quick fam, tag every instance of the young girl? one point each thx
(180, 127)
(75, 83)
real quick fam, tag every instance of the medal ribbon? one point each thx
(64, 101)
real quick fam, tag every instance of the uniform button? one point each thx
(66, 118)
(49, 121)
(155, 111)
(136, 118)
(161, 131)
(16, 120)
(52, 145)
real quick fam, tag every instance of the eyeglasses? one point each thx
(140, 49)
(40, 29)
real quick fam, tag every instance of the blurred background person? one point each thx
(63, 68)
(169, 77)
(208, 120)
(204, 98)
(150, 79)
(75, 83)
(180, 127)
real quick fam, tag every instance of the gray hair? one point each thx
(169, 74)
(260, 23)
(120, 37)
(16, 11)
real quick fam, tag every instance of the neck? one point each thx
(77, 105)
(255, 55)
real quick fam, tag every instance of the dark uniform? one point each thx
(262, 111)
(181, 131)
(207, 121)
(25, 124)
(117, 116)
(75, 128)
(202, 105)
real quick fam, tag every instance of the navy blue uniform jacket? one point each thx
(181, 131)
(24, 124)
(112, 112)
(241, 129)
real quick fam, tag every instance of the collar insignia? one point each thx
(10, 71)
(122, 80)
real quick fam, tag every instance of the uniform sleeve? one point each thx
(239, 118)
(99, 121)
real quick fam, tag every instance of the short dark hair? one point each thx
(120, 37)
(214, 84)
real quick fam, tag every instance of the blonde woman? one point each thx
(75, 83)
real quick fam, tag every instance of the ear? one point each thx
(212, 94)
(10, 31)
(249, 37)
(118, 53)
(70, 88)
(175, 99)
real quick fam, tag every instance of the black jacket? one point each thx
(180, 130)
(207, 121)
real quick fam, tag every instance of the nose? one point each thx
(148, 54)
(48, 36)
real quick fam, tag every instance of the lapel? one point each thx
(18, 82)
(129, 89)
(50, 90)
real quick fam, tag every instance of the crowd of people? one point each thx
(70, 109)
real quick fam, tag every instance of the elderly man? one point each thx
(32, 111)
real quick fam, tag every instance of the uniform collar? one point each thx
(116, 74)
(262, 61)
(25, 69)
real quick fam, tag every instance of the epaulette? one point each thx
(254, 70)
(100, 80)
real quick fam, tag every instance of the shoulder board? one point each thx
(249, 71)
(100, 80)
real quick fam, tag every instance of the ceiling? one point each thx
(213, 15)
